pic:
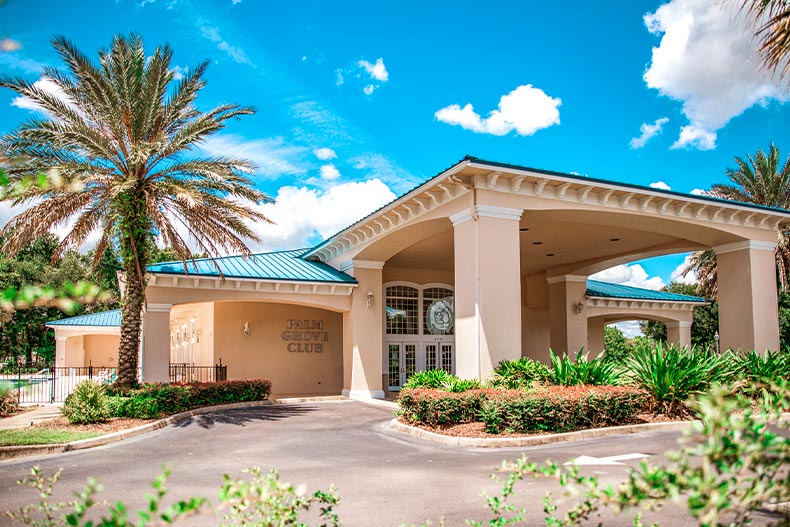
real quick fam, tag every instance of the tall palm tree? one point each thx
(117, 139)
(760, 180)
(772, 21)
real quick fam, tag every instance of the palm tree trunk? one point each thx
(131, 325)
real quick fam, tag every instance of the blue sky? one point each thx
(359, 101)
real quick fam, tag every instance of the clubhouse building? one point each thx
(483, 262)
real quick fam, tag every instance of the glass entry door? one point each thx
(440, 356)
(402, 363)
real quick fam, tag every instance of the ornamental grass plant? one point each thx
(672, 374)
(565, 371)
(521, 374)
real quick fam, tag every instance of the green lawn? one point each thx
(41, 436)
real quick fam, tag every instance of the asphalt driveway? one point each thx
(384, 478)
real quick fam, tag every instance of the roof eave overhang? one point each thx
(549, 185)
(258, 285)
(643, 304)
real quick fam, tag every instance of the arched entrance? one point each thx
(419, 330)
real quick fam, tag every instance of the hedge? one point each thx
(154, 400)
(552, 409)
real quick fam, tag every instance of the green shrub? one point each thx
(436, 407)
(454, 384)
(673, 374)
(427, 379)
(155, 400)
(598, 372)
(562, 408)
(87, 404)
(519, 374)
(771, 366)
(8, 404)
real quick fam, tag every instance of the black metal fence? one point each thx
(47, 383)
(186, 372)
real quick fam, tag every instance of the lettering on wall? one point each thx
(305, 336)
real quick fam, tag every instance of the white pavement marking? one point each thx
(610, 460)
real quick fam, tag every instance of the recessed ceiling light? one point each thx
(524, 229)
(550, 254)
(614, 239)
(537, 243)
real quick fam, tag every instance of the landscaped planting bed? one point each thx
(541, 410)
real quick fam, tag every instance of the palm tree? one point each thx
(760, 180)
(772, 20)
(117, 140)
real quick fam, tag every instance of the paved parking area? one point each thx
(384, 478)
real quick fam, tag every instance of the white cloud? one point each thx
(271, 155)
(376, 71)
(329, 172)
(699, 192)
(707, 60)
(632, 275)
(324, 154)
(19, 62)
(234, 52)
(234, 2)
(301, 214)
(684, 278)
(339, 78)
(44, 84)
(630, 328)
(9, 44)
(660, 185)
(694, 136)
(525, 110)
(647, 132)
(178, 72)
(375, 165)
(368, 89)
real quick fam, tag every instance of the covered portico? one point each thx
(517, 245)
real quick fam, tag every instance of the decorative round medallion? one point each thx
(441, 316)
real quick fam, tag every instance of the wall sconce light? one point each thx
(578, 307)
(246, 329)
(369, 298)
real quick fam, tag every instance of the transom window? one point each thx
(414, 310)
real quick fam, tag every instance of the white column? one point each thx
(487, 289)
(748, 312)
(679, 332)
(156, 343)
(363, 334)
(567, 299)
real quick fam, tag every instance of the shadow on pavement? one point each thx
(242, 416)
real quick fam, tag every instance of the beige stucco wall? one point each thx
(536, 333)
(75, 352)
(101, 350)
(417, 276)
(264, 353)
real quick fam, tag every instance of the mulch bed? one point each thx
(477, 429)
(113, 425)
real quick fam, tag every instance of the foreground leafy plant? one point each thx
(732, 465)
(261, 500)
(87, 404)
(428, 379)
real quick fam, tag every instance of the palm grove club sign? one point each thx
(305, 336)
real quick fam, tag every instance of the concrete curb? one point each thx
(12, 452)
(511, 442)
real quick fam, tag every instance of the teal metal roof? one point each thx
(607, 290)
(279, 265)
(106, 319)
